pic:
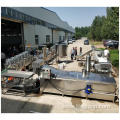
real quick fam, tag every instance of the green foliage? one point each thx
(110, 29)
(105, 27)
(95, 32)
(114, 57)
(102, 27)
(81, 32)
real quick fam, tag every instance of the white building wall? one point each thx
(31, 30)
(69, 36)
(29, 34)
(61, 33)
(42, 31)
(57, 34)
(72, 34)
(45, 15)
(66, 36)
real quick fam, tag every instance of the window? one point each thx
(3, 10)
(43, 23)
(14, 13)
(47, 38)
(36, 40)
(63, 38)
(9, 12)
(6, 11)
(59, 38)
(20, 15)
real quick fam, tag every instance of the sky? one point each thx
(78, 16)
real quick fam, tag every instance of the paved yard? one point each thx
(48, 103)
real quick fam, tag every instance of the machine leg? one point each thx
(24, 95)
(86, 97)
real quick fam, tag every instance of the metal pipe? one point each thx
(83, 73)
(88, 62)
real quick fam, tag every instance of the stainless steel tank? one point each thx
(61, 50)
(73, 83)
(57, 48)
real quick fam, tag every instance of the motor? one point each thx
(88, 89)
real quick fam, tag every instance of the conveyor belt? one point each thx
(78, 76)
(81, 56)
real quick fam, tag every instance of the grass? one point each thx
(114, 57)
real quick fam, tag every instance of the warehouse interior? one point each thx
(11, 35)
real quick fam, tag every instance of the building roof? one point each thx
(46, 15)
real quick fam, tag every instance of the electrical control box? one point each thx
(45, 73)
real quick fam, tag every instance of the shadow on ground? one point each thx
(17, 106)
(65, 61)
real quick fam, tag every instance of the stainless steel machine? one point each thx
(81, 84)
(98, 62)
(101, 63)
(19, 61)
(85, 84)
(51, 80)
(13, 81)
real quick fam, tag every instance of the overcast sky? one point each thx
(78, 16)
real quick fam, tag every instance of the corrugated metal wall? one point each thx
(45, 15)
(31, 30)
(42, 32)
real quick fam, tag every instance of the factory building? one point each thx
(32, 27)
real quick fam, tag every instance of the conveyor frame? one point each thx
(103, 86)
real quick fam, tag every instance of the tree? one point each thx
(102, 27)
(95, 31)
(110, 29)
(81, 32)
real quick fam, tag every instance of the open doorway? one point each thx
(11, 37)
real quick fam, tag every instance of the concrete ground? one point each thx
(49, 103)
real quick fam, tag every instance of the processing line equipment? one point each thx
(99, 62)
(19, 61)
(16, 82)
(81, 84)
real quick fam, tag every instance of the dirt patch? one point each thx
(115, 70)
(76, 101)
(100, 46)
(101, 101)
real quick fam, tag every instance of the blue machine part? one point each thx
(88, 89)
